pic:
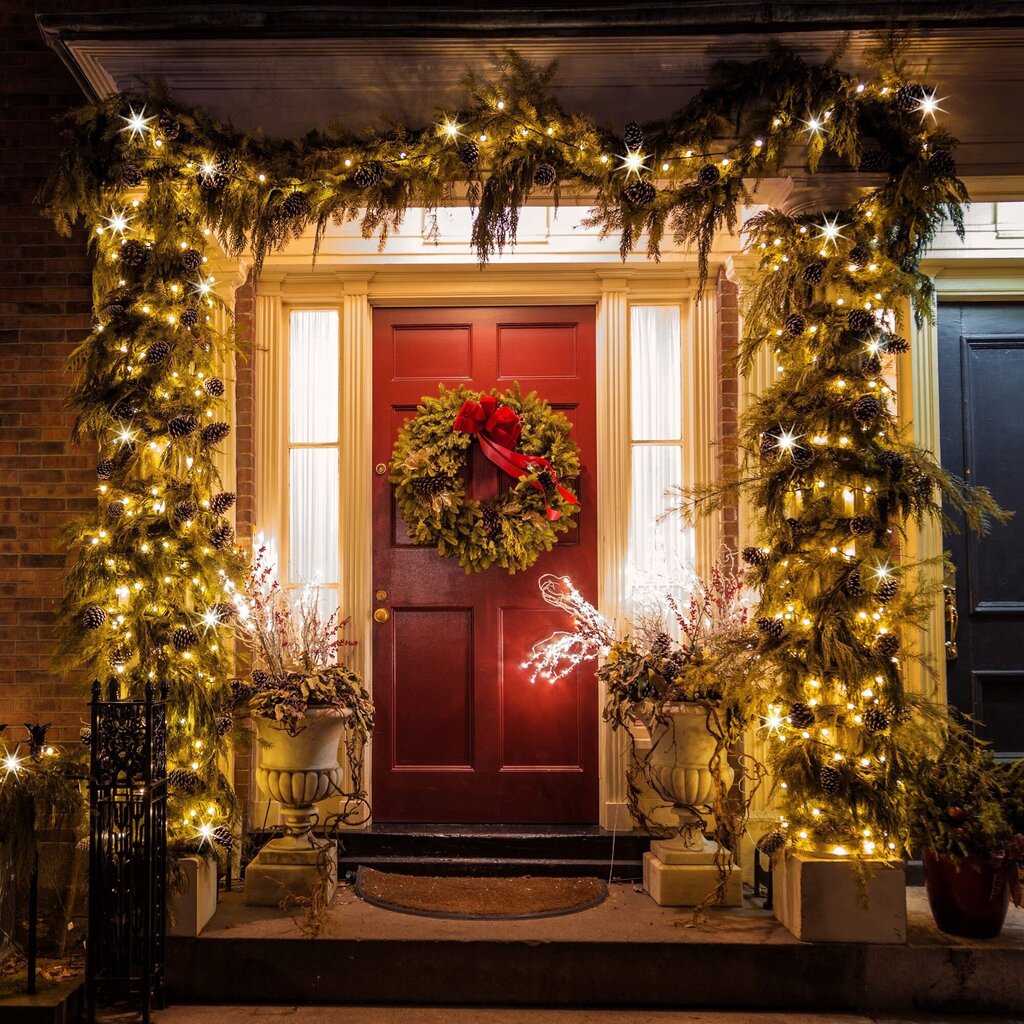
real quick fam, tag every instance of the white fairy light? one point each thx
(928, 105)
(136, 122)
(117, 221)
(812, 126)
(831, 231)
(633, 163)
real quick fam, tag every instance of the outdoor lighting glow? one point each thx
(136, 123)
(928, 105)
(831, 231)
(117, 221)
(633, 163)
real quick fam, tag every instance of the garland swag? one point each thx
(152, 178)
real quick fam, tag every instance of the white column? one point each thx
(917, 377)
(703, 419)
(270, 351)
(613, 504)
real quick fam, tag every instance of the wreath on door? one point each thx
(525, 438)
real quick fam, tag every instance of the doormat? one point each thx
(475, 898)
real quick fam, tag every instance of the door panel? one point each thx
(981, 373)
(463, 735)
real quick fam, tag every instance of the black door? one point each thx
(981, 411)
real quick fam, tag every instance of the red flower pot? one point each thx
(968, 897)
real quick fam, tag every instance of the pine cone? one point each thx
(769, 445)
(221, 503)
(224, 610)
(241, 691)
(661, 646)
(120, 656)
(214, 387)
(861, 525)
(185, 780)
(860, 320)
(182, 426)
(887, 590)
(796, 528)
(115, 312)
(211, 180)
(853, 585)
(189, 317)
(93, 617)
(908, 97)
(813, 273)
(214, 433)
(633, 136)
(429, 486)
(134, 253)
(544, 176)
(368, 174)
(469, 153)
(831, 780)
(923, 487)
(223, 838)
(640, 193)
(894, 462)
(491, 520)
(754, 556)
(773, 628)
(191, 259)
(225, 723)
(876, 720)
(795, 324)
(859, 256)
(771, 842)
(709, 175)
(168, 126)
(222, 534)
(124, 410)
(875, 161)
(802, 456)
(871, 367)
(260, 679)
(85, 736)
(866, 409)
(893, 343)
(157, 352)
(116, 509)
(130, 176)
(183, 638)
(886, 645)
(185, 511)
(801, 715)
(942, 164)
(105, 468)
(295, 205)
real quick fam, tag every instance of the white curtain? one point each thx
(313, 472)
(660, 553)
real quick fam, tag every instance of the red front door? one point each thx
(462, 735)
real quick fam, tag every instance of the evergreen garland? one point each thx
(151, 178)
(428, 470)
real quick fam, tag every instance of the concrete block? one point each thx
(289, 867)
(686, 885)
(819, 899)
(191, 908)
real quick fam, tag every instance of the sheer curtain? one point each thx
(660, 553)
(313, 470)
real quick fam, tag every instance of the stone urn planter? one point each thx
(968, 897)
(681, 871)
(297, 771)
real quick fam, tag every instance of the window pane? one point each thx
(313, 376)
(313, 512)
(654, 361)
(660, 554)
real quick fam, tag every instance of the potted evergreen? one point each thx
(303, 702)
(967, 822)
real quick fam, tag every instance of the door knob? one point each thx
(381, 615)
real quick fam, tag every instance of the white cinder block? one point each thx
(191, 908)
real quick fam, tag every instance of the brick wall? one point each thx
(728, 340)
(45, 304)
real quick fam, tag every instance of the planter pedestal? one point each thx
(290, 866)
(192, 907)
(818, 898)
(683, 878)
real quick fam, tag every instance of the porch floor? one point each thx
(625, 952)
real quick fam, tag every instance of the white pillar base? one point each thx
(290, 867)
(189, 909)
(687, 884)
(818, 898)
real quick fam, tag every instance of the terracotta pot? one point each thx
(299, 770)
(968, 897)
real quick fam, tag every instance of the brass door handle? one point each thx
(952, 621)
(381, 615)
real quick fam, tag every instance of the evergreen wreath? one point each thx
(510, 530)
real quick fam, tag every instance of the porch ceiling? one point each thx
(287, 71)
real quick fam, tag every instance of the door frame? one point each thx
(355, 293)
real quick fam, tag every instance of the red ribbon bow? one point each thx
(498, 428)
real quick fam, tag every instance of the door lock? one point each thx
(381, 615)
(380, 469)
(952, 621)
(381, 595)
